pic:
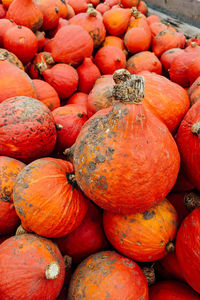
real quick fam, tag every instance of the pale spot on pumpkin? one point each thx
(21, 39)
(12, 147)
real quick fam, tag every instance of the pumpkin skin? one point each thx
(2, 11)
(137, 39)
(142, 7)
(74, 50)
(9, 169)
(86, 239)
(12, 58)
(188, 144)
(194, 69)
(28, 129)
(26, 13)
(5, 24)
(22, 42)
(79, 98)
(144, 61)
(88, 73)
(102, 7)
(92, 22)
(61, 23)
(187, 248)
(171, 289)
(52, 214)
(129, 3)
(157, 27)
(143, 236)
(63, 78)
(178, 201)
(194, 91)
(168, 56)
(72, 117)
(115, 41)
(78, 6)
(95, 166)
(46, 94)
(70, 12)
(109, 59)
(169, 267)
(164, 41)
(14, 82)
(182, 183)
(17, 254)
(50, 11)
(40, 36)
(152, 19)
(103, 273)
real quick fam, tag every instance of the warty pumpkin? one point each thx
(12, 58)
(134, 177)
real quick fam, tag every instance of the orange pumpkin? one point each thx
(53, 206)
(194, 69)
(5, 24)
(102, 273)
(152, 19)
(40, 63)
(9, 169)
(142, 7)
(62, 8)
(61, 23)
(164, 41)
(144, 61)
(70, 12)
(168, 56)
(102, 7)
(129, 3)
(6, 3)
(115, 41)
(157, 27)
(2, 11)
(26, 13)
(50, 11)
(79, 6)
(139, 171)
(194, 91)
(80, 99)
(143, 236)
(12, 58)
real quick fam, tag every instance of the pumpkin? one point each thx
(80, 99)
(40, 35)
(172, 289)
(26, 13)
(116, 20)
(63, 78)
(169, 267)
(70, 12)
(2, 11)
(164, 41)
(194, 69)
(85, 240)
(46, 94)
(112, 3)
(157, 27)
(182, 39)
(182, 183)
(98, 150)
(36, 262)
(71, 117)
(41, 62)
(88, 73)
(14, 82)
(194, 91)
(115, 41)
(74, 49)
(144, 61)
(50, 11)
(103, 273)
(102, 7)
(138, 20)
(142, 7)
(54, 206)
(12, 58)
(5, 24)
(28, 129)
(9, 169)
(152, 19)
(92, 22)
(6, 3)
(143, 236)
(78, 6)
(188, 144)
(168, 56)
(109, 59)
(187, 248)
(61, 23)
(129, 3)
(62, 8)
(22, 42)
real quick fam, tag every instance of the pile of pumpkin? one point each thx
(99, 153)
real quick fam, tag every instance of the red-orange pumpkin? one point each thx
(61, 23)
(47, 198)
(168, 56)
(115, 176)
(142, 7)
(194, 91)
(74, 49)
(35, 261)
(9, 169)
(27, 129)
(50, 11)
(102, 7)
(62, 8)
(26, 13)
(152, 19)
(129, 3)
(170, 267)
(164, 41)
(195, 39)
(178, 201)
(40, 63)
(157, 27)
(115, 41)
(79, 98)
(63, 78)
(22, 42)
(6, 3)
(102, 274)
(5, 24)
(85, 240)
(143, 236)
(12, 58)
(40, 35)
(2, 11)
(70, 12)
(194, 69)
(78, 6)
(144, 61)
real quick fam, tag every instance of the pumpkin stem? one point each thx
(150, 275)
(136, 13)
(20, 230)
(49, 59)
(91, 11)
(52, 270)
(128, 88)
(196, 128)
(192, 201)
(68, 262)
(193, 44)
(41, 67)
(170, 247)
(58, 126)
(69, 152)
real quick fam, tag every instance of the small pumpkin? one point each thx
(164, 41)
(54, 205)
(102, 274)
(168, 56)
(35, 261)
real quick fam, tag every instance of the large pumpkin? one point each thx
(27, 129)
(108, 275)
(143, 236)
(9, 169)
(125, 158)
(31, 268)
(47, 198)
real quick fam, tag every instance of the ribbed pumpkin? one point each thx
(80, 99)
(188, 144)
(172, 290)
(36, 262)
(47, 199)
(46, 94)
(26, 13)
(71, 117)
(169, 267)
(22, 42)
(168, 56)
(144, 236)
(115, 176)
(14, 82)
(92, 22)
(27, 129)
(194, 69)
(85, 240)
(5, 24)
(102, 274)
(71, 44)
(187, 248)
(164, 41)
(12, 58)
(40, 63)
(194, 91)
(144, 61)
(9, 169)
